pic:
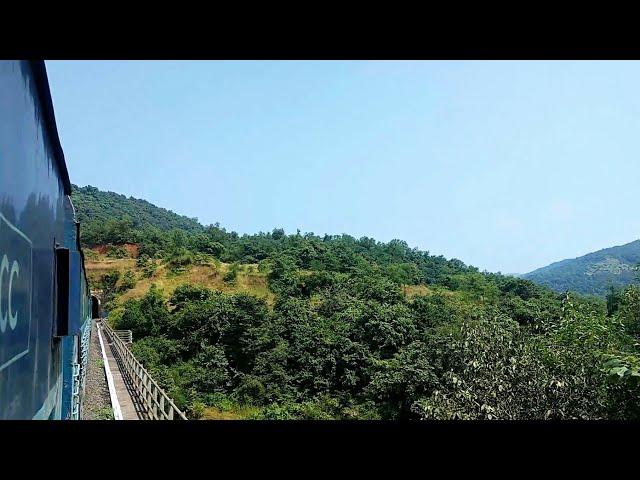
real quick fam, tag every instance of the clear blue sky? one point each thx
(507, 166)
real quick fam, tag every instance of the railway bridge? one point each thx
(132, 391)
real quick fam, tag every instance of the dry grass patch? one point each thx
(237, 413)
(211, 276)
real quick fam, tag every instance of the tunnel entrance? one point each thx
(95, 307)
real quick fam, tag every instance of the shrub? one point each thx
(232, 274)
(180, 261)
(114, 251)
(195, 410)
(127, 282)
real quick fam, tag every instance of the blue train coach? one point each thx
(45, 303)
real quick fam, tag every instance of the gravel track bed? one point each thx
(97, 402)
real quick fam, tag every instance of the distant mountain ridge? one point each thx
(593, 273)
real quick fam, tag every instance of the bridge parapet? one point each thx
(125, 335)
(156, 403)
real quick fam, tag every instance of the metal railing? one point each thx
(125, 335)
(156, 402)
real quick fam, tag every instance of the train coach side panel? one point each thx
(32, 196)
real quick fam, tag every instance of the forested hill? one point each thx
(302, 326)
(593, 273)
(109, 218)
(98, 211)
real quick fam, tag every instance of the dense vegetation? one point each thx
(99, 212)
(361, 329)
(594, 273)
